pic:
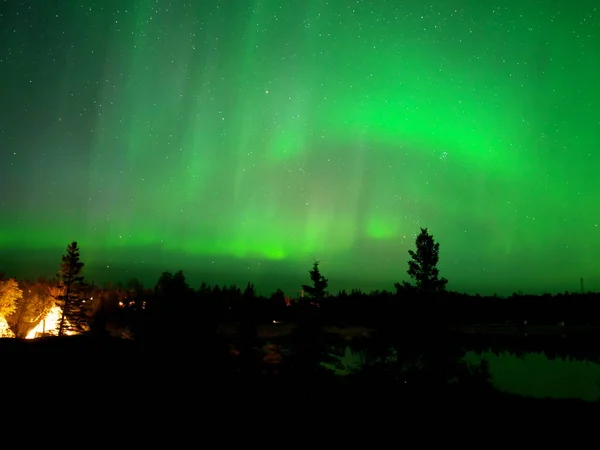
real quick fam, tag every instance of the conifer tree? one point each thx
(72, 299)
(318, 289)
(422, 267)
(310, 346)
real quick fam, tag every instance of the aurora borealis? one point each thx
(238, 140)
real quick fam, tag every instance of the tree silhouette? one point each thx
(250, 292)
(318, 289)
(71, 280)
(309, 345)
(422, 267)
(247, 331)
(99, 322)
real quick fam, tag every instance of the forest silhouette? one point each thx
(411, 340)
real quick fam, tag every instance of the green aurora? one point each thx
(238, 140)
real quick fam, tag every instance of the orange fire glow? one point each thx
(48, 326)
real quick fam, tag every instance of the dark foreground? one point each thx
(120, 367)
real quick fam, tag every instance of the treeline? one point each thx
(172, 305)
(410, 352)
(125, 305)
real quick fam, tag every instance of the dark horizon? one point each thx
(286, 277)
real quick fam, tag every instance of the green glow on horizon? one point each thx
(286, 131)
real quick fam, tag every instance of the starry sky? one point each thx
(239, 140)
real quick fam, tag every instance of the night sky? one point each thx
(238, 140)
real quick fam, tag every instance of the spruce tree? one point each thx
(318, 289)
(310, 346)
(72, 299)
(422, 267)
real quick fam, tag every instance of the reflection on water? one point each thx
(532, 374)
(350, 362)
(535, 375)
